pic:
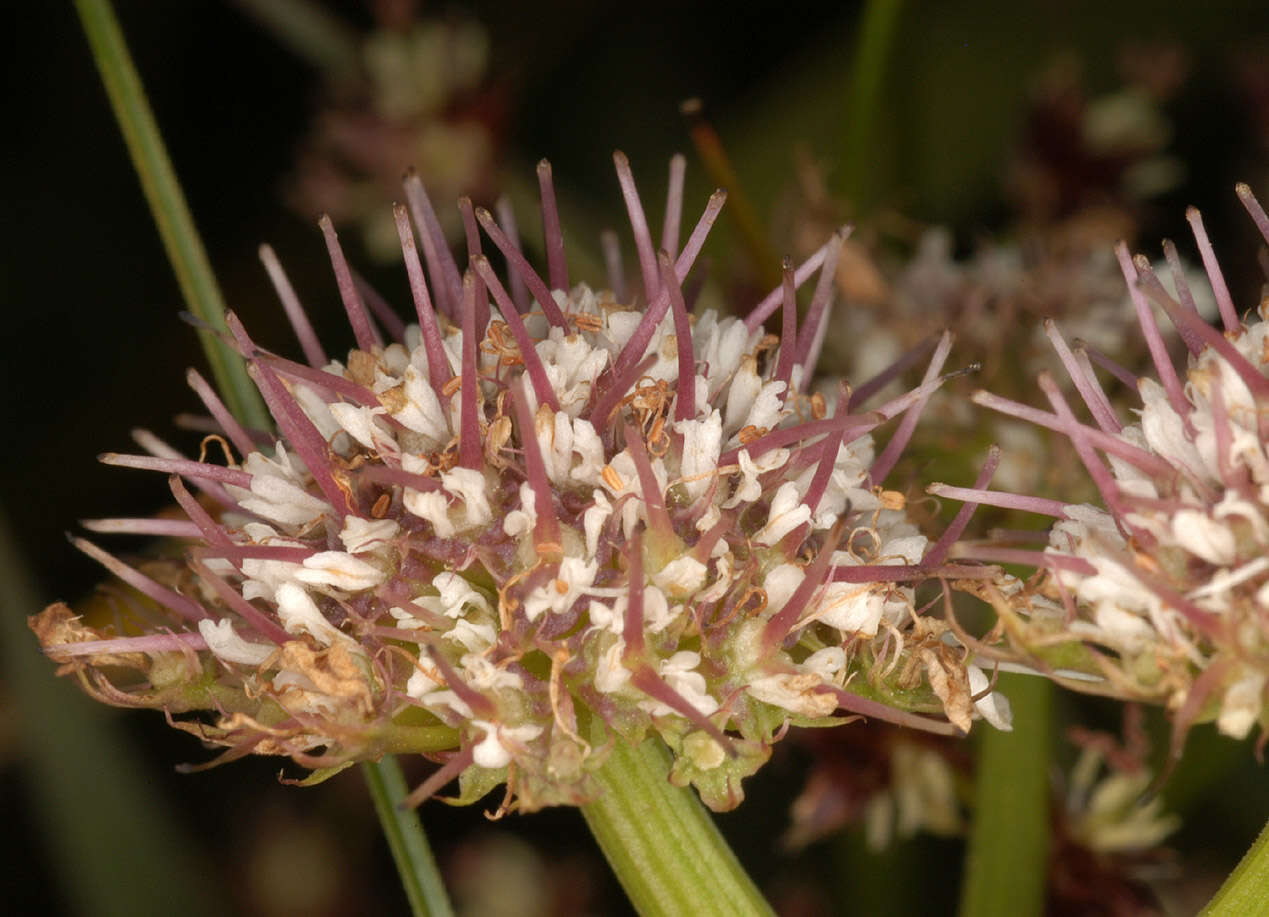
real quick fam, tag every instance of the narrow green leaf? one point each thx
(1007, 864)
(1246, 891)
(662, 844)
(419, 875)
(167, 204)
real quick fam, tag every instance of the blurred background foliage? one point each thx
(98, 820)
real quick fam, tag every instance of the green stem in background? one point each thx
(310, 32)
(662, 844)
(167, 204)
(872, 55)
(1246, 891)
(422, 881)
(198, 284)
(1007, 863)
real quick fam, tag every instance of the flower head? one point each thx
(1168, 582)
(537, 521)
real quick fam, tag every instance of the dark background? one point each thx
(92, 345)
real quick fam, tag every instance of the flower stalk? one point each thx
(1006, 865)
(668, 855)
(420, 877)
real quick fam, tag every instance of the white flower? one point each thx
(229, 647)
(360, 534)
(558, 594)
(343, 571)
(299, 614)
(500, 743)
(690, 685)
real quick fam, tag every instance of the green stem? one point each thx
(872, 54)
(662, 844)
(167, 204)
(417, 867)
(1246, 891)
(1006, 866)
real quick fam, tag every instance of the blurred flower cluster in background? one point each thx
(1003, 152)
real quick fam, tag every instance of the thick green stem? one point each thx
(1006, 867)
(167, 204)
(662, 844)
(1246, 891)
(419, 876)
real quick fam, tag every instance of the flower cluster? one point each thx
(529, 526)
(1167, 585)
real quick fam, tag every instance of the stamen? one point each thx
(828, 457)
(1002, 499)
(1115, 369)
(638, 226)
(447, 772)
(1254, 209)
(552, 235)
(892, 372)
(469, 451)
(780, 625)
(638, 344)
(528, 352)
(1142, 277)
(158, 528)
(879, 711)
(507, 220)
(612, 261)
(299, 431)
(788, 329)
(365, 334)
(685, 391)
(1086, 385)
(295, 313)
(168, 598)
(149, 643)
(1258, 384)
(265, 626)
(1077, 433)
(817, 315)
(938, 551)
(379, 307)
(1214, 276)
(889, 456)
(446, 281)
(1147, 461)
(518, 262)
(473, 249)
(185, 467)
(237, 435)
(773, 299)
(653, 500)
(211, 530)
(673, 205)
(547, 531)
(1192, 344)
(429, 330)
